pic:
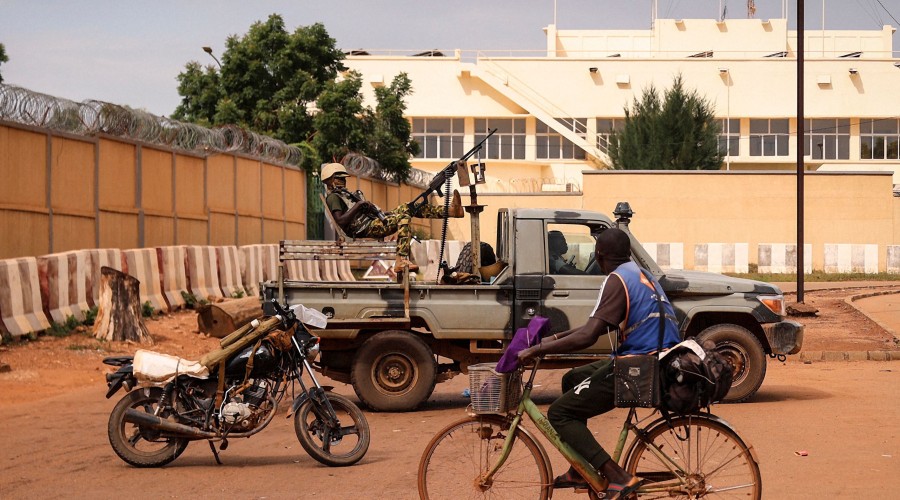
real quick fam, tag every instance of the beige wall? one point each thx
(73, 192)
(721, 207)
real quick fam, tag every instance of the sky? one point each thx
(130, 53)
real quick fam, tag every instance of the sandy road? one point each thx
(844, 414)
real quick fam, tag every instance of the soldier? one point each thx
(359, 219)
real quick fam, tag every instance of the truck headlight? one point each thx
(774, 303)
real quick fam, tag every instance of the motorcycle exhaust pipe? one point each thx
(145, 419)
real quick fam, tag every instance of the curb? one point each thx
(816, 356)
(853, 298)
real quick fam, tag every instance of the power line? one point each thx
(888, 12)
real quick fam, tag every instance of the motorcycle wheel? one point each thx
(141, 447)
(342, 447)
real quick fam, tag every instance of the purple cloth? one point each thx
(524, 338)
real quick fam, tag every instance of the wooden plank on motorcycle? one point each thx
(220, 319)
(119, 308)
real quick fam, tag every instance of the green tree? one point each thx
(676, 132)
(341, 121)
(3, 59)
(390, 143)
(268, 80)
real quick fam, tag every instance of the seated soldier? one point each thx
(557, 246)
(359, 220)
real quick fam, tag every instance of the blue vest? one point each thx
(641, 332)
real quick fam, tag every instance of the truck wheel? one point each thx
(745, 352)
(394, 371)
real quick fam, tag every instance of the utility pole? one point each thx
(800, 146)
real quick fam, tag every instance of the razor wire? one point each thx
(91, 117)
(363, 166)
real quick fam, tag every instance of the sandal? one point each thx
(571, 479)
(617, 491)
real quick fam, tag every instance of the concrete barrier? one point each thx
(65, 284)
(230, 271)
(667, 255)
(893, 259)
(302, 270)
(20, 297)
(426, 255)
(328, 270)
(782, 258)
(202, 272)
(102, 257)
(173, 276)
(258, 263)
(721, 257)
(143, 265)
(851, 258)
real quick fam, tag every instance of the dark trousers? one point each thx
(588, 391)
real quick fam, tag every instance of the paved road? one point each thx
(844, 415)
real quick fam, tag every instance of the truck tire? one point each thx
(745, 352)
(394, 371)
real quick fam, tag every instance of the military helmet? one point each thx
(333, 169)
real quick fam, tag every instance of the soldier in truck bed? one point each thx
(358, 219)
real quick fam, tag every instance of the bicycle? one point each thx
(490, 454)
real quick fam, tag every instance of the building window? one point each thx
(879, 139)
(729, 136)
(828, 139)
(507, 143)
(605, 128)
(439, 137)
(551, 145)
(769, 137)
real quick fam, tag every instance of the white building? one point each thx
(554, 110)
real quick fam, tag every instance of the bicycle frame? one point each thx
(587, 471)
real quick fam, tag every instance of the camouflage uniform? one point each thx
(396, 221)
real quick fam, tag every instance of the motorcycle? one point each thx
(232, 392)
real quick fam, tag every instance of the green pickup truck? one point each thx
(394, 341)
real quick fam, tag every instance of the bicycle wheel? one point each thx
(456, 459)
(708, 460)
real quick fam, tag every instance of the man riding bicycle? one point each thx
(627, 303)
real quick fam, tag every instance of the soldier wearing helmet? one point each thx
(357, 217)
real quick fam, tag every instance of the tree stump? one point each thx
(222, 318)
(119, 308)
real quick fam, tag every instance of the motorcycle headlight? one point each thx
(774, 303)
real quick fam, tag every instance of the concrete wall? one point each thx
(703, 208)
(64, 192)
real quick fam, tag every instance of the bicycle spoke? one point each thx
(457, 460)
(714, 461)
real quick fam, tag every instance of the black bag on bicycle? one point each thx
(637, 381)
(637, 376)
(689, 383)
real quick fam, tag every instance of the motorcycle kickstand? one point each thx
(215, 453)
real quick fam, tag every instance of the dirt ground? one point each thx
(51, 365)
(58, 372)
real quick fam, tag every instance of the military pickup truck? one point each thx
(394, 341)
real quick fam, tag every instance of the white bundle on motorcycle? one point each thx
(153, 368)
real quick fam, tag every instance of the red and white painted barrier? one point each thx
(20, 297)
(172, 274)
(258, 263)
(143, 265)
(100, 257)
(344, 271)
(65, 284)
(328, 270)
(302, 270)
(230, 271)
(202, 272)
